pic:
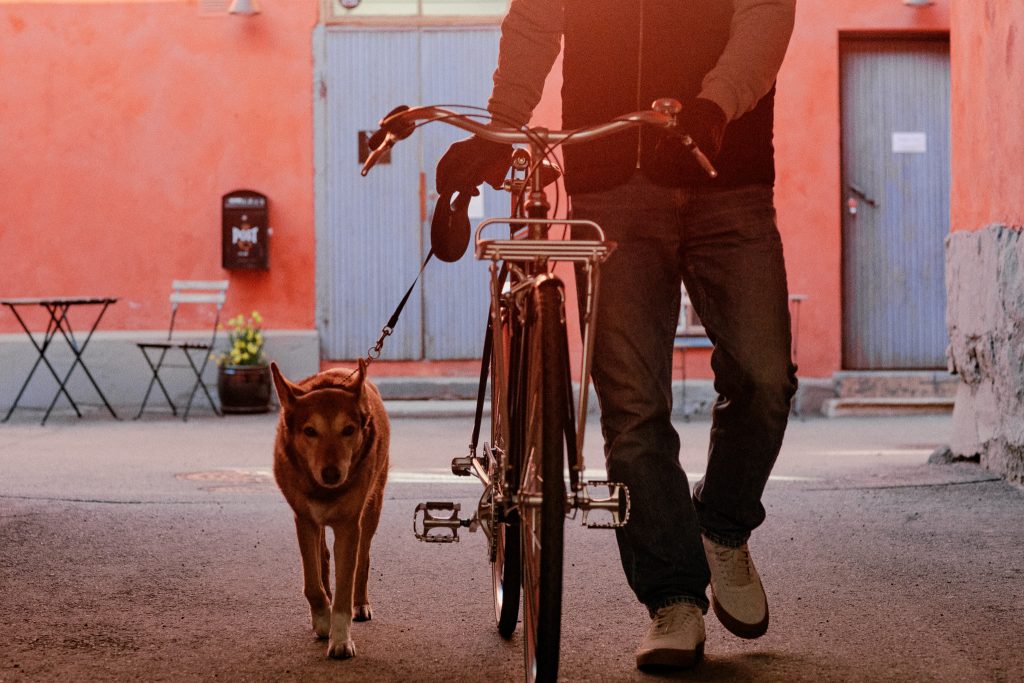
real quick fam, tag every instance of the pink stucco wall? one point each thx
(807, 136)
(987, 44)
(122, 124)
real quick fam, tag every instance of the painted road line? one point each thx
(444, 476)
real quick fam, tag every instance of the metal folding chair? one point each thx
(689, 336)
(186, 292)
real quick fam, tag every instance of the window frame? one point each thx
(331, 18)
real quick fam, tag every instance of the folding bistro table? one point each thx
(58, 308)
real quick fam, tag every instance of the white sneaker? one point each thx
(737, 594)
(675, 638)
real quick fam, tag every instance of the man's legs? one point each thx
(724, 244)
(638, 308)
(735, 274)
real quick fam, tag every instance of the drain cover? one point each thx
(231, 480)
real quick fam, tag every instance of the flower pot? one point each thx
(244, 388)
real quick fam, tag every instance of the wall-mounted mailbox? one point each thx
(244, 232)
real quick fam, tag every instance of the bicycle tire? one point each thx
(505, 577)
(543, 526)
(505, 563)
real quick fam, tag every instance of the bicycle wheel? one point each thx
(505, 579)
(505, 558)
(542, 489)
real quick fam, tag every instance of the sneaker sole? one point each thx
(667, 658)
(736, 627)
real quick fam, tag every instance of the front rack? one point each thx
(523, 250)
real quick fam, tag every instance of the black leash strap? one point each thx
(485, 366)
(374, 352)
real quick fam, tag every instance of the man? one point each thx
(672, 224)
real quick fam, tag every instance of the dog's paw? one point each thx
(321, 623)
(341, 650)
(363, 613)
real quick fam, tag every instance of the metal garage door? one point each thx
(374, 232)
(895, 109)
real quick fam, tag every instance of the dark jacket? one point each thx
(621, 55)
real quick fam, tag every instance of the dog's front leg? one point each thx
(369, 522)
(311, 547)
(346, 548)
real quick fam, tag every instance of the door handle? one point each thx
(862, 195)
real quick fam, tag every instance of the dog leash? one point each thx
(373, 353)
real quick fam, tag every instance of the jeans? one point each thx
(724, 246)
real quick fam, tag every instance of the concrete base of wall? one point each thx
(121, 372)
(692, 399)
(985, 315)
(887, 393)
(886, 407)
(894, 384)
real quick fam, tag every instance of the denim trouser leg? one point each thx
(734, 271)
(725, 246)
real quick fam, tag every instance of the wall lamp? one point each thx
(918, 3)
(244, 7)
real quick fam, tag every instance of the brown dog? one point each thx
(331, 464)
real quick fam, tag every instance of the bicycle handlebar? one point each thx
(400, 123)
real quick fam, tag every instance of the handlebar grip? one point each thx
(375, 154)
(701, 158)
(377, 139)
(705, 163)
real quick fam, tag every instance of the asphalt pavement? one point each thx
(157, 550)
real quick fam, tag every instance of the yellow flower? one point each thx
(246, 341)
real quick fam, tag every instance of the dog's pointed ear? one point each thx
(357, 385)
(286, 391)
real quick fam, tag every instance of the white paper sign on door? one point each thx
(909, 142)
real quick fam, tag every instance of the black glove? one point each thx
(470, 162)
(704, 121)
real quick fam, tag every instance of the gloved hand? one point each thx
(669, 160)
(470, 162)
(704, 121)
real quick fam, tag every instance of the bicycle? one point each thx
(535, 427)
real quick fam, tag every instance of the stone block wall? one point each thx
(985, 317)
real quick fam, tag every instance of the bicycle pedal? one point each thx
(462, 467)
(615, 504)
(446, 524)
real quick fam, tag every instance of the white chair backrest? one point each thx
(199, 292)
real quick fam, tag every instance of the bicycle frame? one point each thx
(537, 252)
